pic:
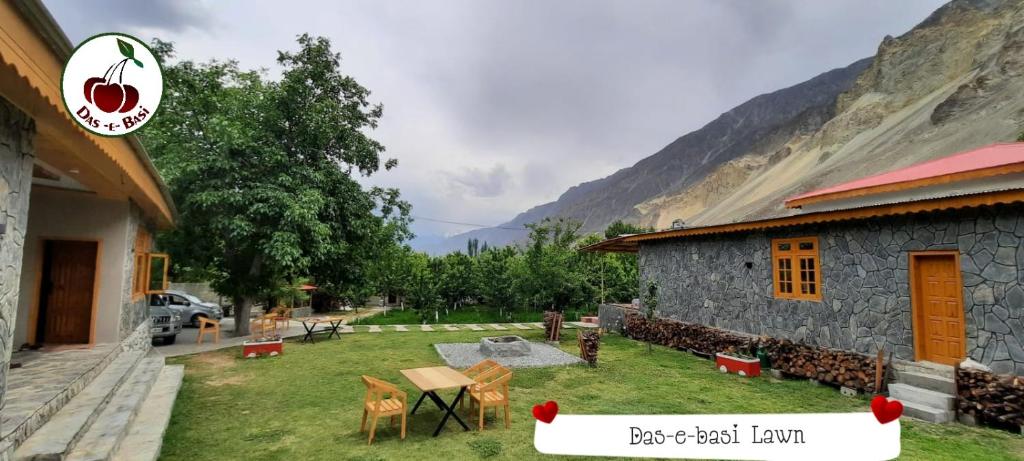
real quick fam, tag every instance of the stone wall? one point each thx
(612, 317)
(16, 157)
(201, 290)
(866, 291)
(133, 312)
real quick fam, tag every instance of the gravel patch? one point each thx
(463, 355)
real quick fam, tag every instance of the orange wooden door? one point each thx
(941, 309)
(69, 276)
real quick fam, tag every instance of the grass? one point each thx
(306, 404)
(467, 314)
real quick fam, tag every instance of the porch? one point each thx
(41, 382)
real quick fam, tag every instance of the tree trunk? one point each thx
(243, 306)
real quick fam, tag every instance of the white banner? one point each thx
(832, 436)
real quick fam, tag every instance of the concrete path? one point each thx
(186, 342)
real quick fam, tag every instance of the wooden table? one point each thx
(433, 379)
(310, 323)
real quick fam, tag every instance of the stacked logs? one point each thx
(685, 336)
(839, 368)
(553, 325)
(589, 342)
(991, 399)
(830, 366)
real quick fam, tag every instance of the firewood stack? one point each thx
(685, 336)
(589, 341)
(830, 366)
(553, 325)
(839, 368)
(990, 398)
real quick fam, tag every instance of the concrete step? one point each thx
(926, 413)
(105, 434)
(925, 368)
(927, 381)
(57, 437)
(907, 393)
(146, 435)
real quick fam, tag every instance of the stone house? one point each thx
(77, 217)
(925, 262)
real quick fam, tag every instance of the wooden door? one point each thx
(939, 331)
(66, 300)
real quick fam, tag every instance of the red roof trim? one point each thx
(994, 158)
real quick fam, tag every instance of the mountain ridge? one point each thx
(950, 83)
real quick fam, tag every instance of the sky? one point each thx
(492, 107)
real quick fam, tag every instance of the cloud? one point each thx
(477, 182)
(147, 18)
(554, 92)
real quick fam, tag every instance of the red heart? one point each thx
(886, 410)
(545, 413)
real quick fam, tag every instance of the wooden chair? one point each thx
(207, 326)
(382, 399)
(282, 315)
(492, 391)
(264, 326)
(476, 371)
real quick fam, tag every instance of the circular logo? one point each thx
(112, 84)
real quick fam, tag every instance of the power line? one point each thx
(466, 223)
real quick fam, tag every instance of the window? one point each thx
(150, 268)
(796, 270)
(156, 276)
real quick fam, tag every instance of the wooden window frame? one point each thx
(140, 275)
(794, 256)
(149, 275)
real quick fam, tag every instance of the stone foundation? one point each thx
(866, 286)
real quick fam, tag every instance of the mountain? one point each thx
(950, 83)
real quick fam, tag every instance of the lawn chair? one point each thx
(476, 371)
(282, 315)
(264, 327)
(207, 326)
(492, 391)
(377, 405)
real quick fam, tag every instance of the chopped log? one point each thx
(589, 342)
(553, 325)
(990, 398)
(839, 368)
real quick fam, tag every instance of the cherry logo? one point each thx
(108, 95)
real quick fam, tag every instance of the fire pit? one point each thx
(504, 346)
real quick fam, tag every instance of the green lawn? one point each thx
(466, 314)
(306, 404)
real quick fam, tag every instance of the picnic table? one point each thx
(429, 380)
(309, 323)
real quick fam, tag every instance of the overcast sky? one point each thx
(492, 107)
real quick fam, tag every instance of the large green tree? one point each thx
(550, 276)
(262, 173)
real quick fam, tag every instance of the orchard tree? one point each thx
(262, 173)
(551, 275)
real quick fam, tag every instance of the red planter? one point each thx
(252, 349)
(740, 366)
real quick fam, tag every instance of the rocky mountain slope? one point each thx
(951, 83)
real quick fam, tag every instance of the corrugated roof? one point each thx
(991, 160)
